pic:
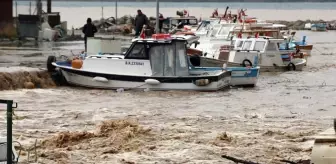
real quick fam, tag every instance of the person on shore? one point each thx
(89, 30)
(140, 20)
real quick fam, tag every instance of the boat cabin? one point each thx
(271, 33)
(267, 50)
(179, 22)
(166, 55)
(206, 25)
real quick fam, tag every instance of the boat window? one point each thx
(271, 47)
(157, 60)
(169, 69)
(214, 31)
(137, 52)
(193, 21)
(247, 45)
(204, 26)
(224, 30)
(259, 46)
(181, 60)
(239, 44)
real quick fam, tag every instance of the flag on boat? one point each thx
(256, 35)
(142, 34)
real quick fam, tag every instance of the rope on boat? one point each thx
(296, 38)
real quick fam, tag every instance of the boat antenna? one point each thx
(227, 7)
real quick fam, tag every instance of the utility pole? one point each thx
(48, 6)
(116, 11)
(39, 8)
(157, 17)
(30, 8)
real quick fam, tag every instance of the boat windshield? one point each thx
(137, 52)
(259, 46)
(186, 21)
(224, 31)
(213, 31)
(204, 26)
(169, 59)
(247, 45)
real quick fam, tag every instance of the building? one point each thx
(6, 8)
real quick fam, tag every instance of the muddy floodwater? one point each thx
(275, 120)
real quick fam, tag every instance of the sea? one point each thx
(76, 12)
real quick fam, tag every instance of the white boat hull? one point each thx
(298, 67)
(208, 62)
(90, 82)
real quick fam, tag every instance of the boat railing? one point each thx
(104, 57)
(248, 50)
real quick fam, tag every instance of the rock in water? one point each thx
(29, 85)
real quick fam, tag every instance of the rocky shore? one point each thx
(125, 26)
(300, 24)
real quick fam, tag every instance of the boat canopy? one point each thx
(168, 57)
(259, 44)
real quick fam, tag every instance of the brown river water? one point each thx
(275, 120)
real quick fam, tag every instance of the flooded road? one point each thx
(275, 120)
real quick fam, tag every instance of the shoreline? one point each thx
(76, 15)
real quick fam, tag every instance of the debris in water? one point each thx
(111, 137)
(120, 90)
(29, 85)
(25, 79)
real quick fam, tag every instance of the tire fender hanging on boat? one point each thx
(100, 79)
(246, 60)
(202, 82)
(152, 82)
(291, 66)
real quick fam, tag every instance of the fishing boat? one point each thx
(221, 30)
(319, 26)
(158, 63)
(240, 76)
(302, 45)
(270, 54)
(213, 36)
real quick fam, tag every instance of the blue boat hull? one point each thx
(240, 76)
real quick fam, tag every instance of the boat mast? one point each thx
(157, 17)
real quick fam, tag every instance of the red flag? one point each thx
(240, 35)
(185, 12)
(256, 35)
(142, 34)
(243, 12)
(240, 17)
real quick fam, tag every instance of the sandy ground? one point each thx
(275, 120)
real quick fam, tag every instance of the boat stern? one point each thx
(244, 76)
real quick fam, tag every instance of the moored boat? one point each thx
(156, 64)
(319, 26)
(240, 76)
(267, 52)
